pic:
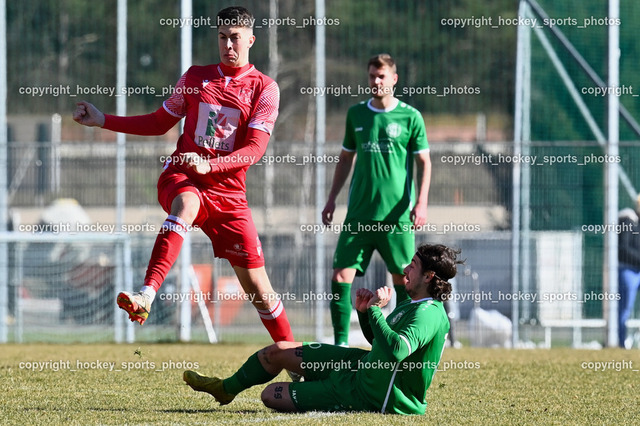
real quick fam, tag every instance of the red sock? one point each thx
(165, 251)
(276, 322)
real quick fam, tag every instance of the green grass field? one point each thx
(479, 386)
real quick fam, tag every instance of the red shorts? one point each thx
(226, 221)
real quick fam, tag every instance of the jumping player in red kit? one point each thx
(230, 109)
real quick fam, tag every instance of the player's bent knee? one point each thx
(276, 396)
(284, 345)
(277, 355)
(266, 396)
(272, 352)
(186, 206)
(345, 275)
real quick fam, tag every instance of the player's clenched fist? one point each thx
(363, 295)
(88, 115)
(381, 297)
(197, 163)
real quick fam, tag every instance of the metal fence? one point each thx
(472, 72)
(470, 208)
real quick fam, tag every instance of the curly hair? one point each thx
(442, 261)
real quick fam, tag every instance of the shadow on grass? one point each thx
(213, 410)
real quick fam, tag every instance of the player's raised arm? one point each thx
(343, 168)
(154, 124)
(88, 115)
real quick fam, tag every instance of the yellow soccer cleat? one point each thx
(211, 385)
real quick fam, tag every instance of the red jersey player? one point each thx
(230, 109)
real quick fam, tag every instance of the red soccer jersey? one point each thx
(221, 104)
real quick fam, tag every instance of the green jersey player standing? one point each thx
(393, 377)
(385, 137)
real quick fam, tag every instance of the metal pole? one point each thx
(121, 138)
(130, 335)
(186, 39)
(124, 274)
(525, 236)
(320, 167)
(186, 46)
(118, 318)
(269, 170)
(185, 289)
(56, 138)
(121, 109)
(610, 307)
(4, 151)
(523, 44)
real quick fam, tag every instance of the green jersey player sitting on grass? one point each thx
(384, 139)
(393, 377)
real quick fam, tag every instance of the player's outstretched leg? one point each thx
(165, 252)
(166, 249)
(256, 284)
(261, 367)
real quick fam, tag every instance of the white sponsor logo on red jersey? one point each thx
(216, 128)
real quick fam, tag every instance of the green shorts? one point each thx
(395, 243)
(330, 379)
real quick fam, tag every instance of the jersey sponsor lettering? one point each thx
(216, 127)
(381, 146)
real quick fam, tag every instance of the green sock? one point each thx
(251, 373)
(340, 307)
(401, 293)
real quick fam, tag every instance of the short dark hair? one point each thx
(235, 16)
(382, 59)
(442, 261)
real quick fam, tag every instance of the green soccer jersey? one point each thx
(384, 142)
(405, 354)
